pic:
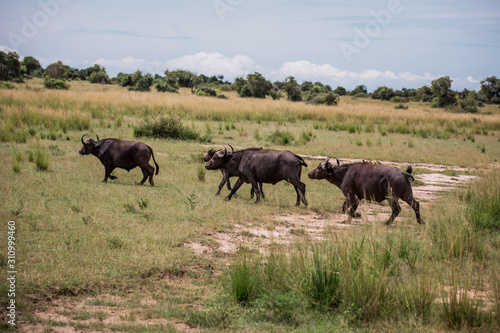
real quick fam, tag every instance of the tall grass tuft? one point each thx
(167, 127)
(41, 158)
(483, 203)
(322, 285)
(16, 159)
(243, 280)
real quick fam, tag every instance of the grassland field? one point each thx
(87, 250)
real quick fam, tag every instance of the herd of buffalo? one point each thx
(369, 181)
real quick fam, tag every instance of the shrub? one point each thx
(206, 91)
(168, 127)
(7, 85)
(281, 138)
(401, 106)
(55, 84)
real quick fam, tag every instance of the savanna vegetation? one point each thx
(87, 250)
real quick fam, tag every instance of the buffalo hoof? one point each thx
(226, 199)
(113, 177)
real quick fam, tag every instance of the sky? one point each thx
(394, 43)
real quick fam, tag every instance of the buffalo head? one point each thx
(324, 169)
(88, 145)
(218, 159)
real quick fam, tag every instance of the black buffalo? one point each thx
(227, 174)
(371, 182)
(116, 153)
(261, 166)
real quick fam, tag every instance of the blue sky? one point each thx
(397, 43)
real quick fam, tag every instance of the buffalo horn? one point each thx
(81, 139)
(338, 163)
(98, 138)
(225, 151)
(232, 150)
(326, 163)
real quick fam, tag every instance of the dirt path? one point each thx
(287, 226)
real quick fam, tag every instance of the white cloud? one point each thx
(307, 71)
(471, 79)
(214, 64)
(4, 48)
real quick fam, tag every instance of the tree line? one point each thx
(255, 85)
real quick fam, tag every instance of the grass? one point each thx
(128, 247)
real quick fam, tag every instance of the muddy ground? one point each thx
(77, 314)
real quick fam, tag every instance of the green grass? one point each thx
(125, 246)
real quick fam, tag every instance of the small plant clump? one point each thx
(167, 127)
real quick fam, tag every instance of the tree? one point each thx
(99, 77)
(56, 70)
(490, 90)
(383, 93)
(359, 90)
(255, 85)
(441, 88)
(292, 89)
(32, 66)
(10, 66)
(341, 91)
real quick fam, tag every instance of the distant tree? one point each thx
(142, 83)
(56, 70)
(123, 79)
(490, 90)
(99, 77)
(469, 101)
(341, 91)
(359, 90)
(292, 89)
(255, 85)
(441, 88)
(424, 94)
(184, 78)
(97, 74)
(169, 83)
(10, 66)
(306, 86)
(32, 66)
(383, 93)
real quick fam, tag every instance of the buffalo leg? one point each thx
(221, 185)
(255, 188)
(107, 174)
(147, 172)
(252, 192)
(396, 209)
(350, 205)
(235, 188)
(345, 209)
(416, 207)
(300, 188)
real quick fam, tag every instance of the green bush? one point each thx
(168, 127)
(7, 85)
(206, 91)
(55, 84)
(283, 138)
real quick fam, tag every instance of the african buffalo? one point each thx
(227, 174)
(369, 181)
(116, 153)
(261, 165)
